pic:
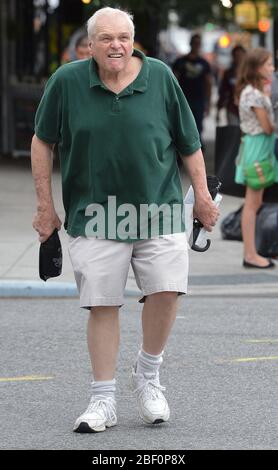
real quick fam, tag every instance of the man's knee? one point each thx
(167, 297)
(103, 311)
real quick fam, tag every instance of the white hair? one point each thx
(91, 23)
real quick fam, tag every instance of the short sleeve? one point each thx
(254, 99)
(182, 123)
(48, 115)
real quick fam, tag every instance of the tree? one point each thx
(150, 16)
(198, 12)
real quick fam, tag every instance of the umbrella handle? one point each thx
(201, 250)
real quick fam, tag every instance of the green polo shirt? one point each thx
(118, 152)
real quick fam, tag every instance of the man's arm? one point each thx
(204, 209)
(46, 219)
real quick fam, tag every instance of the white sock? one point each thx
(104, 388)
(148, 363)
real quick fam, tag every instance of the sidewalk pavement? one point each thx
(216, 272)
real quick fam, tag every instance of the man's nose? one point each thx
(115, 43)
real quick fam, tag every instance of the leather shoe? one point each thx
(251, 265)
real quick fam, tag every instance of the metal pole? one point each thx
(12, 45)
(46, 39)
(4, 78)
(59, 29)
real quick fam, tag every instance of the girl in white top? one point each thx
(250, 98)
(257, 124)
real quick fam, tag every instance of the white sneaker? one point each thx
(152, 404)
(100, 414)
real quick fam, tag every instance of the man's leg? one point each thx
(161, 269)
(158, 316)
(101, 284)
(103, 335)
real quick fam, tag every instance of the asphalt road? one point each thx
(220, 370)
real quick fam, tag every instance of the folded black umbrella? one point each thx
(50, 258)
(213, 186)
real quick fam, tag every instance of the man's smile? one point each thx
(115, 55)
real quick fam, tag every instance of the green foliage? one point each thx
(192, 12)
(152, 15)
(197, 12)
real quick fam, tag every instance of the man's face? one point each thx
(112, 44)
(196, 44)
(82, 50)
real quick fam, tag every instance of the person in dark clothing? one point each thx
(227, 87)
(195, 78)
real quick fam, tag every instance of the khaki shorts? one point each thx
(101, 267)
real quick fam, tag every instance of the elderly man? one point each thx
(119, 120)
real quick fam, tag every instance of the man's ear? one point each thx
(90, 47)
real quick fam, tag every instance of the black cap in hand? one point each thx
(50, 258)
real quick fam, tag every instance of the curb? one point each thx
(243, 290)
(16, 288)
(29, 289)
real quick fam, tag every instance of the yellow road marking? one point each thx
(26, 378)
(261, 341)
(254, 359)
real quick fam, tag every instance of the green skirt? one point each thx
(255, 148)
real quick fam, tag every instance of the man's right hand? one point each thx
(206, 212)
(45, 221)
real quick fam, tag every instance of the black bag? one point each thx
(227, 141)
(266, 229)
(50, 257)
(231, 226)
(271, 193)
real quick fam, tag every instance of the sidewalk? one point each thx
(215, 272)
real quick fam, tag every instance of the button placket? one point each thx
(116, 106)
